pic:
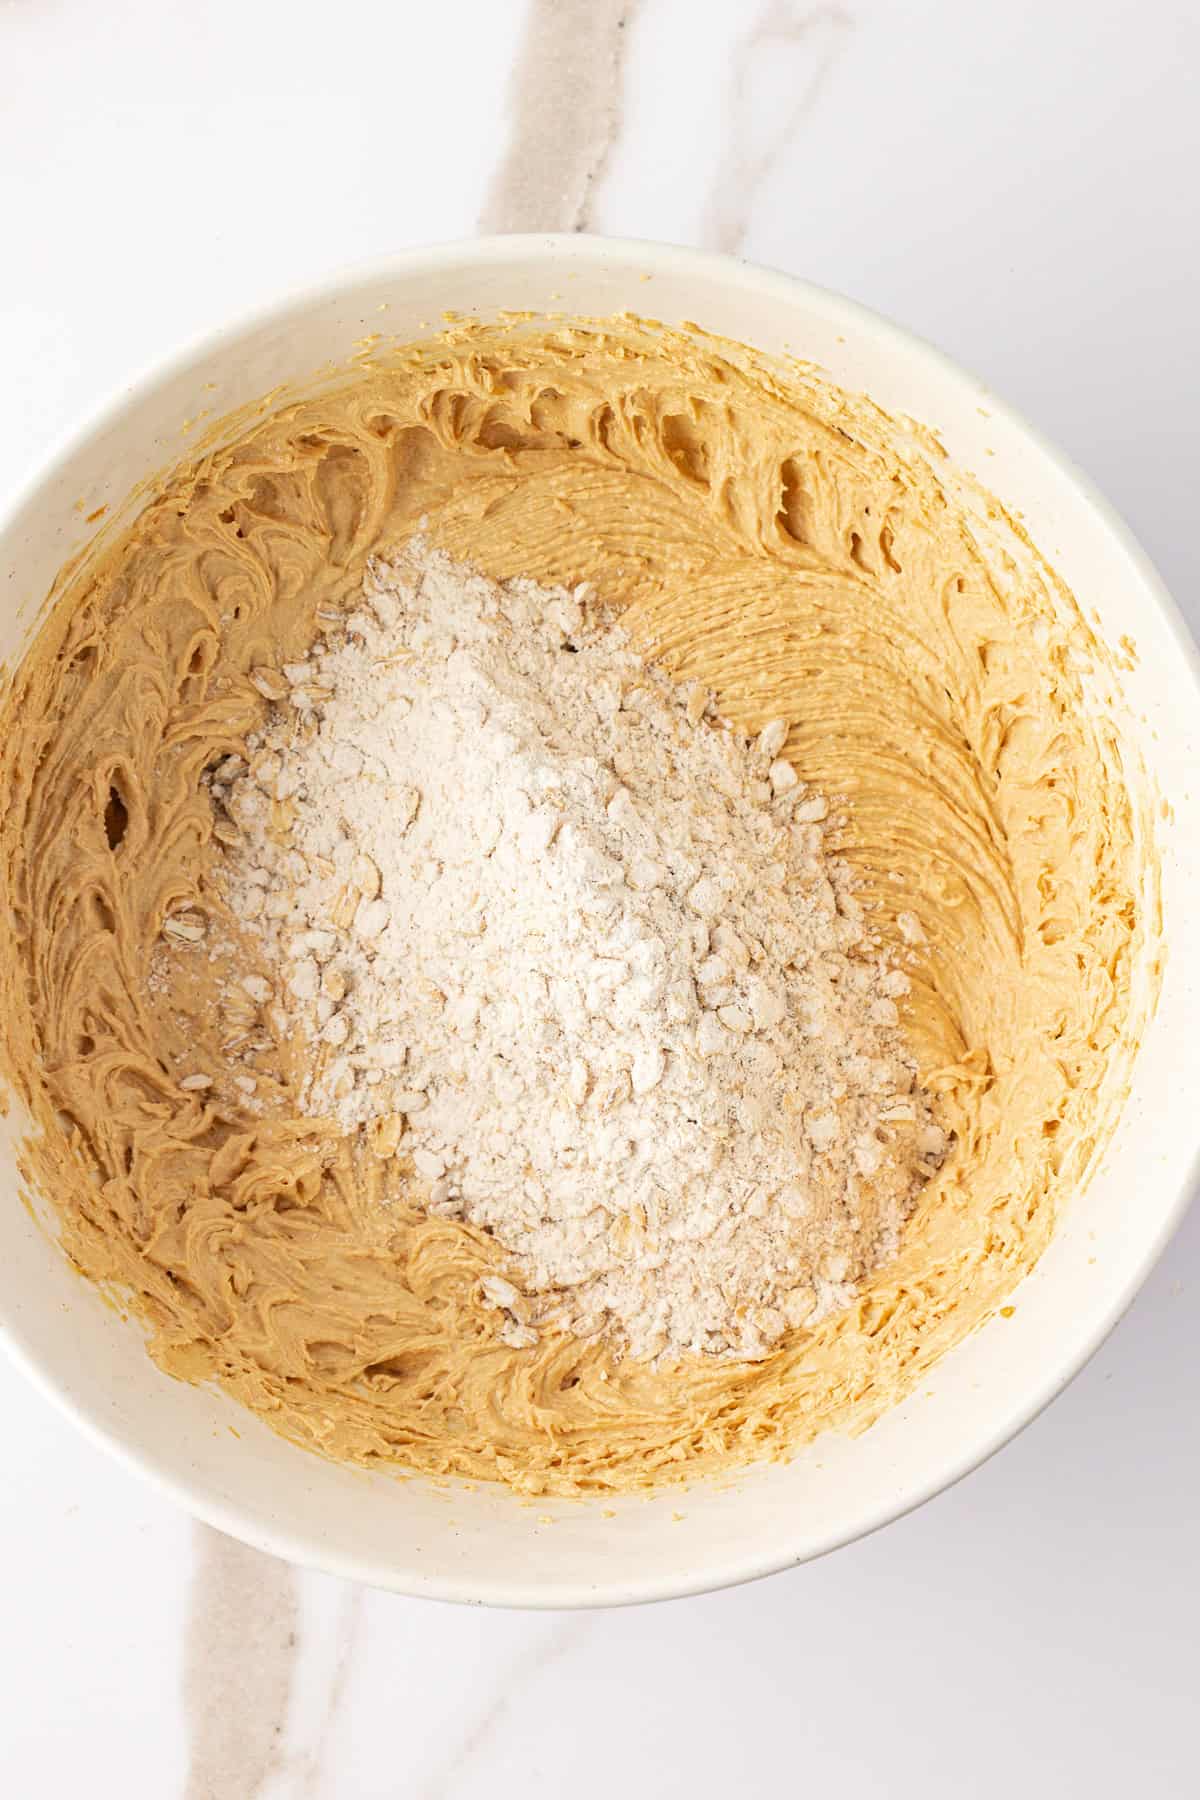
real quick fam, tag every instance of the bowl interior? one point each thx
(486, 1545)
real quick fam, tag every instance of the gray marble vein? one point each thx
(349, 1629)
(238, 1666)
(562, 1637)
(776, 75)
(564, 115)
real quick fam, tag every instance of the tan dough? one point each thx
(778, 540)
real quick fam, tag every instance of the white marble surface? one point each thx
(1015, 179)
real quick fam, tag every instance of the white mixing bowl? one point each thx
(485, 1545)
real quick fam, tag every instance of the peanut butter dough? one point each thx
(769, 536)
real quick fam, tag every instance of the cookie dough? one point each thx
(766, 534)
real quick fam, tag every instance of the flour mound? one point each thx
(579, 958)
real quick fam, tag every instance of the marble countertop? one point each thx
(1014, 181)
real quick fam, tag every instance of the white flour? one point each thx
(578, 957)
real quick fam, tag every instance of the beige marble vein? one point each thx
(238, 1668)
(565, 113)
(777, 74)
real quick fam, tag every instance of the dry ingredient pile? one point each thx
(576, 955)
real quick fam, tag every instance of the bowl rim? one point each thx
(304, 1549)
